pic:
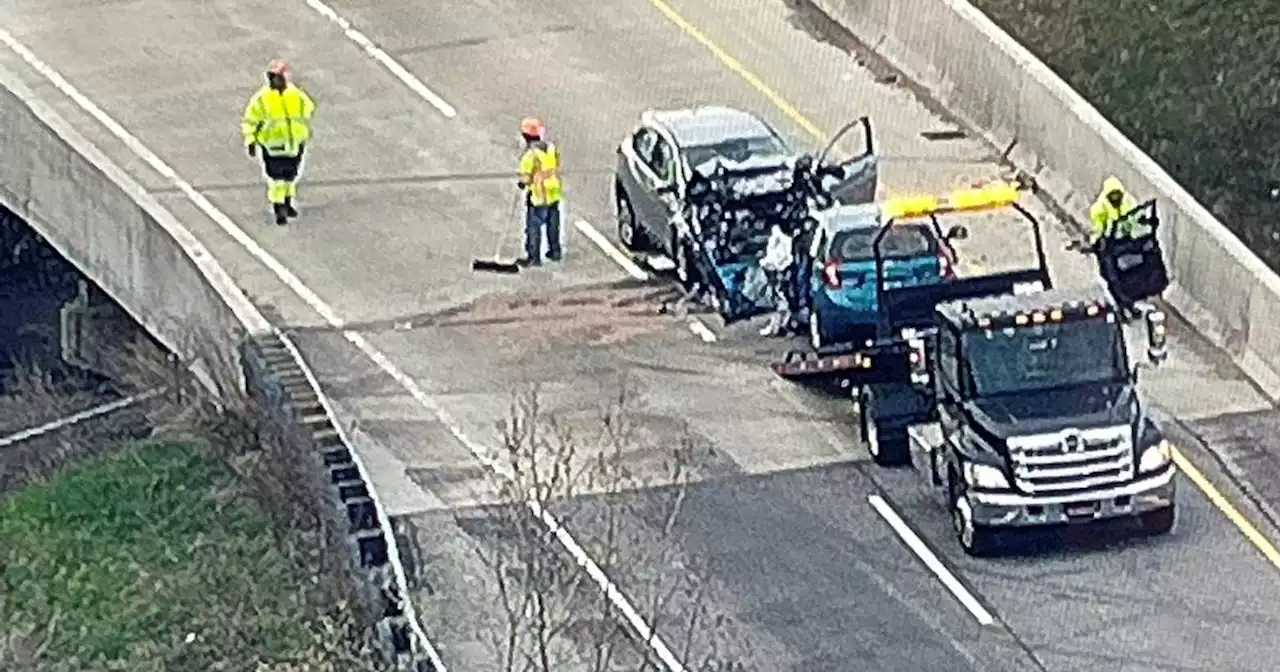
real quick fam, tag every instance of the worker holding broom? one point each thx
(540, 181)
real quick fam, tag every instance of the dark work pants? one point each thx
(536, 219)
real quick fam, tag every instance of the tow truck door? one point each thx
(860, 175)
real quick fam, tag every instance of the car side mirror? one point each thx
(1157, 337)
(957, 232)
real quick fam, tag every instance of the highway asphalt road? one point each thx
(402, 191)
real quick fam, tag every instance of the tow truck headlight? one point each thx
(1155, 457)
(985, 477)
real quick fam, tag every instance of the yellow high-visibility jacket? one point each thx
(1102, 214)
(540, 172)
(279, 121)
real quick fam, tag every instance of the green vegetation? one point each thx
(1195, 83)
(147, 560)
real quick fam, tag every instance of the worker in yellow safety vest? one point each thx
(540, 180)
(277, 124)
(1114, 202)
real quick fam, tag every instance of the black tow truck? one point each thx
(1016, 401)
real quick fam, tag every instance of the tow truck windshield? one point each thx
(1043, 357)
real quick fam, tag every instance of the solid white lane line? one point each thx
(930, 560)
(483, 454)
(383, 58)
(610, 250)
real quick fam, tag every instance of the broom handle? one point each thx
(502, 239)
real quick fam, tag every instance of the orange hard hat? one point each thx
(278, 67)
(532, 127)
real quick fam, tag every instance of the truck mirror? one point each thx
(1157, 337)
(957, 232)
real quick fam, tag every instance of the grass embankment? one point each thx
(149, 560)
(1196, 84)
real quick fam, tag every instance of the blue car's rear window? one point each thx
(902, 242)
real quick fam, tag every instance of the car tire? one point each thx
(977, 540)
(1159, 522)
(630, 234)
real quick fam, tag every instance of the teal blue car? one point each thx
(843, 292)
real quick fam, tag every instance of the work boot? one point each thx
(289, 209)
(282, 215)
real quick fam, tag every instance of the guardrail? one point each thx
(279, 375)
(999, 88)
(117, 234)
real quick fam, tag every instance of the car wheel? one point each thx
(629, 233)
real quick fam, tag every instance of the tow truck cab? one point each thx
(1039, 417)
(1016, 400)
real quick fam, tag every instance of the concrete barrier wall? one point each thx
(995, 85)
(103, 221)
(119, 236)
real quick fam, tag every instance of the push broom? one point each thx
(496, 263)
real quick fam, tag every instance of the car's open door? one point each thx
(853, 180)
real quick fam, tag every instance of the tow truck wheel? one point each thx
(976, 540)
(891, 448)
(1159, 522)
(629, 234)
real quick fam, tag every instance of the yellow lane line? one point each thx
(1247, 528)
(741, 70)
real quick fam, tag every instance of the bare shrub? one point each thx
(557, 614)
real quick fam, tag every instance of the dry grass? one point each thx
(208, 547)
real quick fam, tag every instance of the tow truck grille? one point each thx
(1072, 460)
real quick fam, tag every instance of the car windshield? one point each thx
(903, 241)
(1041, 357)
(736, 150)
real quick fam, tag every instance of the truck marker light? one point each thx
(1055, 315)
(1020, 320)
(1037, 318)
(1091, 311)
